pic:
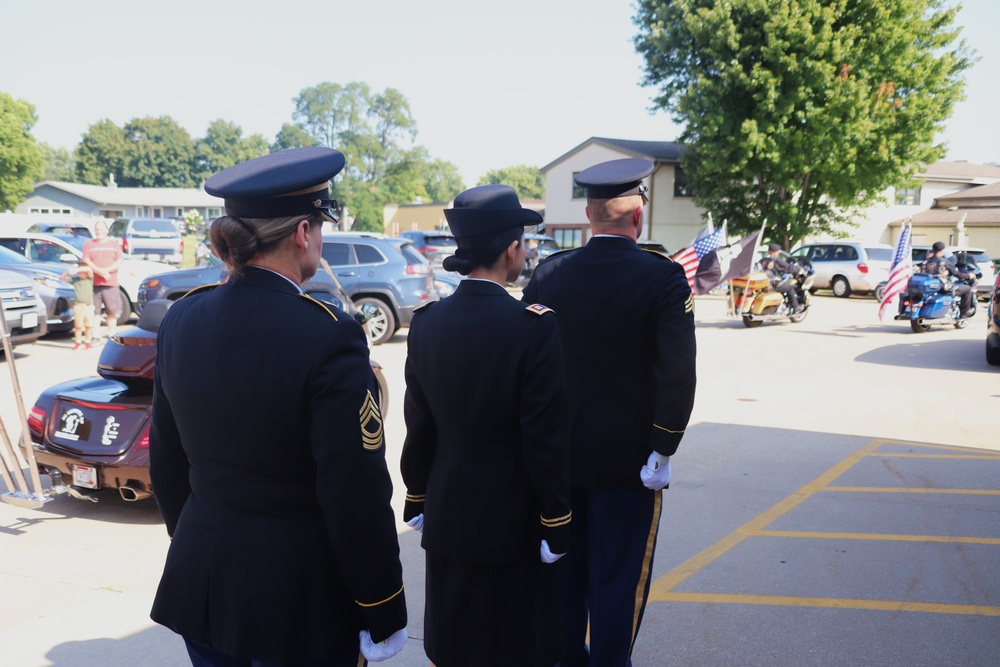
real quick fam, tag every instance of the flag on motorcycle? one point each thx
(690, 257)
(899, 273)
(725, 263)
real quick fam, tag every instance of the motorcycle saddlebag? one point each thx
(767, 303)
(755, 281)
(936, 306)
(922, 284)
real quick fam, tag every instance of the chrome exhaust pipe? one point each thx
(131, 495)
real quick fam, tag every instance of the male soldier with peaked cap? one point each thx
(630, 376)
(266, 445)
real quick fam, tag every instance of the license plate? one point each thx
(85, 476)
(153, 257)
(29, 320)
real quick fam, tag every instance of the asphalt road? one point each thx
(836, 501)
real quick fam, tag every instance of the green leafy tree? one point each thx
(21, 160)
(224, 145)
(292, 135)
(100, 153)
(797, 111)
(442, 180)
(527, 181)
(158, 153)
(58, 164)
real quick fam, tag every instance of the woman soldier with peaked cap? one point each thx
(486, 457)
(266, 448)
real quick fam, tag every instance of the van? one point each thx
(155, 239)
(847, 266)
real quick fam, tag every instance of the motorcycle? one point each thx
(929, 300)
(753, 298)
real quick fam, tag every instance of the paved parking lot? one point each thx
(836, 501)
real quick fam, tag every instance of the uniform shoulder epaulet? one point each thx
(319, 303)
(538, 309)
(424, 306)
(659, 255)
(200, 289)
(562, 252)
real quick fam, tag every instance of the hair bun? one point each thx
(457, 262)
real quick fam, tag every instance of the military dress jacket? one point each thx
(626, 320)
(486, 456)
(268, 465)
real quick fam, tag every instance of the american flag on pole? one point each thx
(690, 257)
(900, 272)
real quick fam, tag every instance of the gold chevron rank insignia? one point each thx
(371, 423)
(689, 304)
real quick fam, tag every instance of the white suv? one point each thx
(848, 266)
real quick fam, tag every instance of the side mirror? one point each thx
(68, 258)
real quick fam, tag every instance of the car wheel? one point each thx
(840, 286)
(879, 292)
(126, 313)
(993, 350)
(919, 328)
(381, 321)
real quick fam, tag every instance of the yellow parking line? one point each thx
(877, 537)
(832, 603)
(902, 455)
(952, 448)
(900, 489)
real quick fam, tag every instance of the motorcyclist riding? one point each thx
(777, 268)
(936, 264)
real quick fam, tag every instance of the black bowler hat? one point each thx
(486, 209)
(291, 182)
(616, 178)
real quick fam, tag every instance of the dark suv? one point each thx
(385, 276)
(155, 239)
(434, 245)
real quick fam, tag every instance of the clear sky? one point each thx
(490, 84)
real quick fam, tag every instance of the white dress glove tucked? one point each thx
(383, 650)
(655, 474)
(547, 555)
(417, 523)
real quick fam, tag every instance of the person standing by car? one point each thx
(104, 255)
(630, 374)
(936, 264)
(776, 268)
(266, 447)
(82, 279)
(486, 456)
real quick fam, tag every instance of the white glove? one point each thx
(547, 555)
(655, 474)
(383, 650)
(417, 523)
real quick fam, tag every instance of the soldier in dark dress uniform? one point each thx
(266, 446)
(627, 327)
(486, 456)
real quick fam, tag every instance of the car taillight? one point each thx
(143, 441)
(36, 421)
(418, 269)
(181, 245)
(426, 250)
(862, 267)
(125, 246)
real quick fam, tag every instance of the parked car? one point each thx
(385, 276)
(981, 258)
(69, 250)
(23, 310)
(155, 239)
(56, 294)
(435, 246)
(62, 229)
(848, 266)
(93, 433)
(993, 325)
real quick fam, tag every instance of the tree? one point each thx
(100, 153)
(798, 111)
(442, 180)
(292, 135)
(224, 145)
(527, 181)
(158, 153)
(21, 160)
(58, 164)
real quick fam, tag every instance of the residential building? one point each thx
(969, 217)
(430, 217)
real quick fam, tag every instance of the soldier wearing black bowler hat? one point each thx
(486, 456)
(630, 376)
(266, 445)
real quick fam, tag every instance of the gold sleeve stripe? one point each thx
(412, 497)
(375, 604)
(667, 429)
(371, 423)
(321, 305)
(558, 521)
(689, 304)
(548, 524)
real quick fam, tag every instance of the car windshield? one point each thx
(8, 256)
(146, 226)
(441, 241)
(880, 254)
(75, 241)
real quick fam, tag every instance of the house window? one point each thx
(180, 212)
(111, 213)
(578, 192)
(568, 238)
(157, 212)
(908, 196)
(214, 213)
(140, 211)
(681, 187)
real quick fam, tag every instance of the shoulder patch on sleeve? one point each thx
(538, 309)
(320, 304)
(202, 288)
